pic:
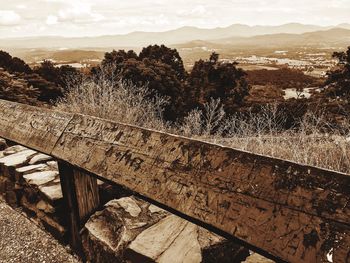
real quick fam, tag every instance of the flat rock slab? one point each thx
(53, 165)
(17, 158)
(256, 258)
(23, 241)
(170, 240)
(129, 205)
(52, 193)
(45, 207)
(40, 178)
(31, 168)
(132, 230)
(40, 158)
(14, 149)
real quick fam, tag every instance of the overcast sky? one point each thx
(101, 17)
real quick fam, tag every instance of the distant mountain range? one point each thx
(237, 34)
(335, 37)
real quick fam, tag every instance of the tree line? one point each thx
(162, 70)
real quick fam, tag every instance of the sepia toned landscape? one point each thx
(175, 131)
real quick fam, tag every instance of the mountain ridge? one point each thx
(170, 37)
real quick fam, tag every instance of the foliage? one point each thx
(150, 69)
(16, 89)
(120, 101)
(167, 56)
(218, 80)
(283, 78)
(45, 81)
(48, 91)
(13, 64)
(264, 133)
(59, 76)
(203, 122)
(338, 80)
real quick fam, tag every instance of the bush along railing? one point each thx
(293, 212)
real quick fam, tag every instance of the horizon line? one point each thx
(176, 28)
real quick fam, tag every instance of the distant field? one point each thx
(256, 67)
(312, 61)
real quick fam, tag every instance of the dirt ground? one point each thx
(23, 241)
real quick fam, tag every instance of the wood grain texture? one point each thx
(37, 128)
(71, 205)
(87, 195)
(294, 212)
(286, 209)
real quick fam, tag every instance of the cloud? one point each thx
(99, 17)
(51, 20)
(9, 18)
(197, 11)
(79, 12)
(21, 6)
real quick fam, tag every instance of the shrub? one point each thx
(119, 101)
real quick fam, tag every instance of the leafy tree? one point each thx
(5, 59)
(48, 91)
(160, 77)
(46, 82)
(48, 71)
(68, 76)
(214, 57)
(166, 55)
(63, 76)
(118, 57)
(13, 64)
(112, 63)
(17, 89)
(338, 80)
(218, 80)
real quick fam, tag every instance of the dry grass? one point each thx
(262, 134)
(118, 101)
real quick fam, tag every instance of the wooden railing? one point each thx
(293, 212)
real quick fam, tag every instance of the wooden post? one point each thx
(80, 194)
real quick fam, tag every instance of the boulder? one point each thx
(45, 207)
(131, 230)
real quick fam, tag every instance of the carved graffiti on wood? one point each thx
(128, 159)
(295, 212)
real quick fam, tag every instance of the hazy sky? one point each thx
(100, 17)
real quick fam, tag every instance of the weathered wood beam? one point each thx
(80, 194)
(36, 128)
(295, 212)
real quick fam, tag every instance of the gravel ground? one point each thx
(23, 241)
